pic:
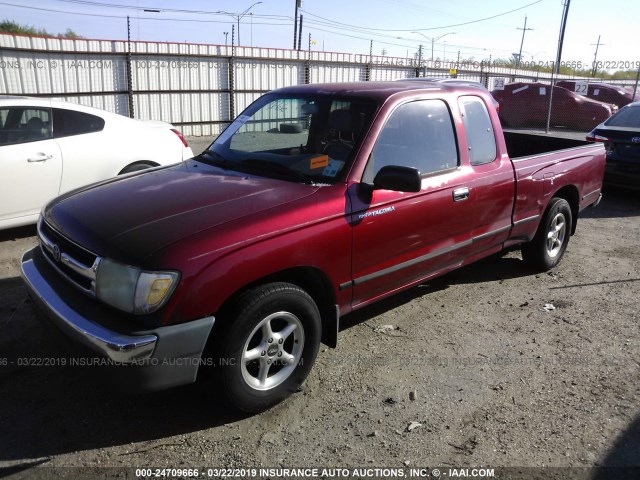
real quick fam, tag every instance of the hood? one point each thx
(131, 217)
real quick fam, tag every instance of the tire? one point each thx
(272, 322)
(136, 167)
(290, 128)
(550, 242)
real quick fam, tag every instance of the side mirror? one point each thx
(399, 179)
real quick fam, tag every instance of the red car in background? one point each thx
(526, 105)
(604, 92)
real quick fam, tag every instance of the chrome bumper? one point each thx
(119, 348)
(597, 202)
(159, 358)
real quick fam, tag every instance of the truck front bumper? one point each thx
(144, 360)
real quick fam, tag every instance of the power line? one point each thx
(423, 29)
(66, 12)
(315, 23)
(162, 9)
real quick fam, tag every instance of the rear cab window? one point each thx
(478, 129)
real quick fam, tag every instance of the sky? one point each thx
(396, 27)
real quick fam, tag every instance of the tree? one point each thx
(69, 34)
(9, 26)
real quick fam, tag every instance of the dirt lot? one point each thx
(492, 376)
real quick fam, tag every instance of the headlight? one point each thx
(131, 289)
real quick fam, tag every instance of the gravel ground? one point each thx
(498, 366)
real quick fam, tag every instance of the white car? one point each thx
(49, 147)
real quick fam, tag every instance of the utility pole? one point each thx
(295, 23)
(129, 73)
(524, 30)
(300, 32)
(556, 67)
(595, 57)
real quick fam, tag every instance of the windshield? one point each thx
(309, 139)
(627, 117)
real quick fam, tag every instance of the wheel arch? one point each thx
(572, 196)
(148, 163)
(310, 279)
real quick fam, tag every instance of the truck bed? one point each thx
(544, 166)
(522, 144)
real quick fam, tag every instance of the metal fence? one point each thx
(199, 88)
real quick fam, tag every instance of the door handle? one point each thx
(41, 158)
(460, 194)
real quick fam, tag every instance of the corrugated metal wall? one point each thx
(199, 88)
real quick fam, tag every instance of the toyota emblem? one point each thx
(56, 253)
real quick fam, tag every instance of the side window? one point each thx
(418, 134)
(70, 122)
(24, 124)
(479, 130)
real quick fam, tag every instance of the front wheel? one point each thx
(550, 242)
(268, 347)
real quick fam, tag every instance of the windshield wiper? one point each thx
(275, 168)
(218, 160)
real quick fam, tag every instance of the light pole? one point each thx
(225, 38)
(434, 40)
(533, 55)
(238, 17)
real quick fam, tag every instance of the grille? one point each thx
(75, 263)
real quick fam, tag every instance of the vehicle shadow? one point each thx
(493, 268)
(616, 203)
(623, 458)
(49, 410)
(48, 407)
(18, 232)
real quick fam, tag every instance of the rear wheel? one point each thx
(550, 242)
(268, 346)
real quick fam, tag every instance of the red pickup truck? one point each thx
(317, 200)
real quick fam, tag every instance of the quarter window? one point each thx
(418, 134)
(69, 122)
(479, 130)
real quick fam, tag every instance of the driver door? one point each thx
(30, 163)
(400, 238)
